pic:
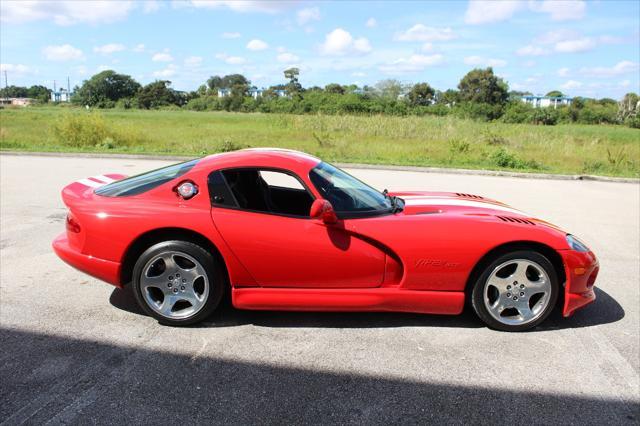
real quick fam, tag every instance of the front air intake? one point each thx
(515, 220)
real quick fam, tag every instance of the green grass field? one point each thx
(418, 141)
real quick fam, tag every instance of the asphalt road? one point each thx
(75, 350)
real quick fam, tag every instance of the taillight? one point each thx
(72, 225)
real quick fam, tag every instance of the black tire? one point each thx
(477, 295)
(215, 274)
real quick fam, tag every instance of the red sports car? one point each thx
(283, 230)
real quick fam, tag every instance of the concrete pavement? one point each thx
(74, 350)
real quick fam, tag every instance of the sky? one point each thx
(583, 48)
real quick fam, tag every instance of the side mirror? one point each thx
(323, 210)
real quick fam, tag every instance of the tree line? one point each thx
(480, 95)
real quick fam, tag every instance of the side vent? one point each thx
(515, 220)
(476, 197)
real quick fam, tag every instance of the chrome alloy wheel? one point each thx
(517, 292)
(174, 284)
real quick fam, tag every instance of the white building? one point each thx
(61, 96)
(546, 101)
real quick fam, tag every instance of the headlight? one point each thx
(576, 244)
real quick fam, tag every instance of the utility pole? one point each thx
(5, 79)
(68, 86)
(54, 85)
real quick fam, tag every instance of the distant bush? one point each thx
(478, 111)
(81, 130)
(86, 130)
(545, 116)
(518, 112)
(633, 122)
(204, 103)
(126, 103)
(505, 159)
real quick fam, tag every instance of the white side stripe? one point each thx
(91, 183)
(103, 178)
(463, 203)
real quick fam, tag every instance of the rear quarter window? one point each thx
(144, 182)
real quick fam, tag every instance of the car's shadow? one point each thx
(605, 310)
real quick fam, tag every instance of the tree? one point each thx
(555, 94)
(334, 88)
(449, 97)
(39, 93)
(629, 107)
(214, 83)
(390, 89)
(13, 92)
(293, 87)
(105, 88)
(421, 94)
(483, 86)
(158, 94)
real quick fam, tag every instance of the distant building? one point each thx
(16, 101)
(223, 92)
(254, 92)
(546, 101)
(61, 95)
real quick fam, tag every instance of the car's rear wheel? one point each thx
(178, 282)
(516, 291)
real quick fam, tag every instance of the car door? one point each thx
(263, 216)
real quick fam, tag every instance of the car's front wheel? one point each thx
(177, 282)
(516, 292)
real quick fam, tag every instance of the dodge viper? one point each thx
(283, 230)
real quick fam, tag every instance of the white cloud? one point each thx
(340, 42)
(256, 44)
(531, 50)
(421, 32)
(231, 35)
(358, 74)
(574, 46)
(560, 41)
(101, 68)
(169, 71)
(193, 61)
(427, 47)
(287, 57)
(138, 48)
(622, 67)
(488, 62)
(64, 12)
(162, 57)
(64, 52)
(18, 69)
(150, 6)
(413, 63)
(232, 60)
(108, 49)
(307, 15)
(490, 11)
(242, 6)
(371, 23)
(561, 10)
(563, 72)
(571, 84)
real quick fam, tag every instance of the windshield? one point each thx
(144, 182)
(347, 194)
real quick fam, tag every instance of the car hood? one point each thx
(443, 202)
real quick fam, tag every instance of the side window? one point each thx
(281, 180)
(219, 191)
(267, 191)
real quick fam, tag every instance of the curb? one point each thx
(479, 172)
